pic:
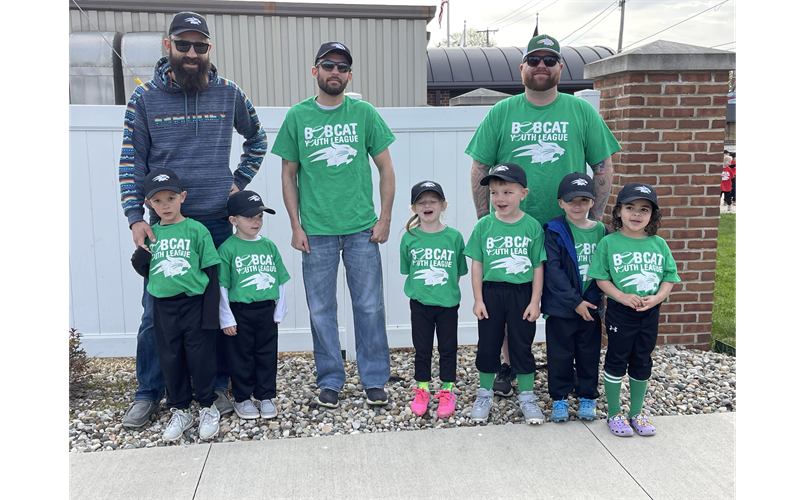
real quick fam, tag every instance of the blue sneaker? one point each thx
(586, 409)
(559, 413)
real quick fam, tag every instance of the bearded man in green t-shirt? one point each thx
(325, 143)
(549, 135)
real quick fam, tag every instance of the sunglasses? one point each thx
(550, 61)
(184, 46)
(330, 65)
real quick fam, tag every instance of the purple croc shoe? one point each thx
(642, 425)
(619, 426)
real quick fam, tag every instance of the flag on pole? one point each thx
(463, 41)
(441, 10)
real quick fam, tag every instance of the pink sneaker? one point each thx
(420, 404)
(447, 403)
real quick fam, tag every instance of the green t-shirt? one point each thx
(508, 250)
(178, 259)
(251, 270)
(634, 266)
(433, 263)
(548, 142)
(332, 148)
(586, 240)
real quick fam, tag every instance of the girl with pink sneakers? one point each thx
(432, 255)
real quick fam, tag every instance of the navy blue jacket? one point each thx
(561, 292)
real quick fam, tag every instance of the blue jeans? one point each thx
(151, 384)
(365, 281)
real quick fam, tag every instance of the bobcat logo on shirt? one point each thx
(335, 155)
(514, 264)
(432, 276)
(542, 152)
(263, 281)
(171, 266)
(645, 282)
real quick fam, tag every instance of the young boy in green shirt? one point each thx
(183, 279)
(506, 248)
(252, 279)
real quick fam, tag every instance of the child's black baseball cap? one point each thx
(161, 179)
(638, 191)
(421, 187)
(246, 204)
(575, 185)
(509, 172)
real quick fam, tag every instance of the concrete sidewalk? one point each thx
(690, 457)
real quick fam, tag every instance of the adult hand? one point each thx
(299, 240)
(583, 311)
(141, 230)
(234, 189)
(380, 231)
(231, 330)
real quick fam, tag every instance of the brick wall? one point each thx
(438, 98)
(671, 127)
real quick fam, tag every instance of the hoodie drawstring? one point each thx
(196, 114)
(196, 111)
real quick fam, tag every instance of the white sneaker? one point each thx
(180, 422)
(482, 405)
(246, 409)
(267, 409)
(208, 422)
(529, 407)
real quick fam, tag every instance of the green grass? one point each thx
(724, 295)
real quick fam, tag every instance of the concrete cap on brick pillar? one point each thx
(663, 56)
(479, 97)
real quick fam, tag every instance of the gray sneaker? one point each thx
(180, 422)
(208, 422)
(223, 403)
(139, 413)
(483, 403)
(529, 407)
(246, 409)
(267, 409)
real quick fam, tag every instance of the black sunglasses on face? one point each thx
(550, 61)
(184, 46)
(330, 65)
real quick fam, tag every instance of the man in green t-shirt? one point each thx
(549, 135)
(325, 143)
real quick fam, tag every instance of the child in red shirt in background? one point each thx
(727, 176)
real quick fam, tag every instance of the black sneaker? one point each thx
(377, 396)
(503, 381)
(328, 398)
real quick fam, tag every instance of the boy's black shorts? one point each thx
(632, 336)
(505, 304)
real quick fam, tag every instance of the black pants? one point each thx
(569, 340)
(505, 304)
(423, 321)
(252, 353)
(733, 189)
(185, 350)
(632, 336)
(727, 195)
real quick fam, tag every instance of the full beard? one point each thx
(532, 83)
(324, 85)
(191, 80)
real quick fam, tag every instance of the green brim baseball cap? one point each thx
(542, 42)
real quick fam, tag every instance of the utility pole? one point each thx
(536, 26)
(620, 36)
(487, 30)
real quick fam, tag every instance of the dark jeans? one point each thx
(571, 340)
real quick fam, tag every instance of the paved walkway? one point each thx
(690, 457)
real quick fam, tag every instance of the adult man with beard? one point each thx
(549, 135)
(182, 119)
(325, 143)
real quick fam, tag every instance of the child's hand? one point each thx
(631, 300)
(649, 301)
(479, 310)
(231, 330)
(583, 311)
(531, 312)
(277, 322)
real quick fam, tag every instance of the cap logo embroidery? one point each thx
(643, 189)
(579, 182)
(160, 178)
(501, 168)
(253, 197)
(192, 20)
(545, 41)
(340, 46)
(427, 185)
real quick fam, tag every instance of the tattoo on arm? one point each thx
(480, 194)
(602, 185)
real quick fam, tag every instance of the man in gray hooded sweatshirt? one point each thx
(182, 119)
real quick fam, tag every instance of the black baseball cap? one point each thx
(509, 172)
(246, 204)
(161, 179)
(638, 191)
(189, 21)
(328, 47)
(421, 187)
(575, 185)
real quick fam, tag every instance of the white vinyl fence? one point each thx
(105, 292)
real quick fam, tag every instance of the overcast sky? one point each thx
(515, 20)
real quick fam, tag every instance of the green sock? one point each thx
(525, 381)
(486, 380)
(447, 386)
(422, 385)
(637, 393)
(612, 389)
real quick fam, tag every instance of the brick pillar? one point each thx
(666, 104)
